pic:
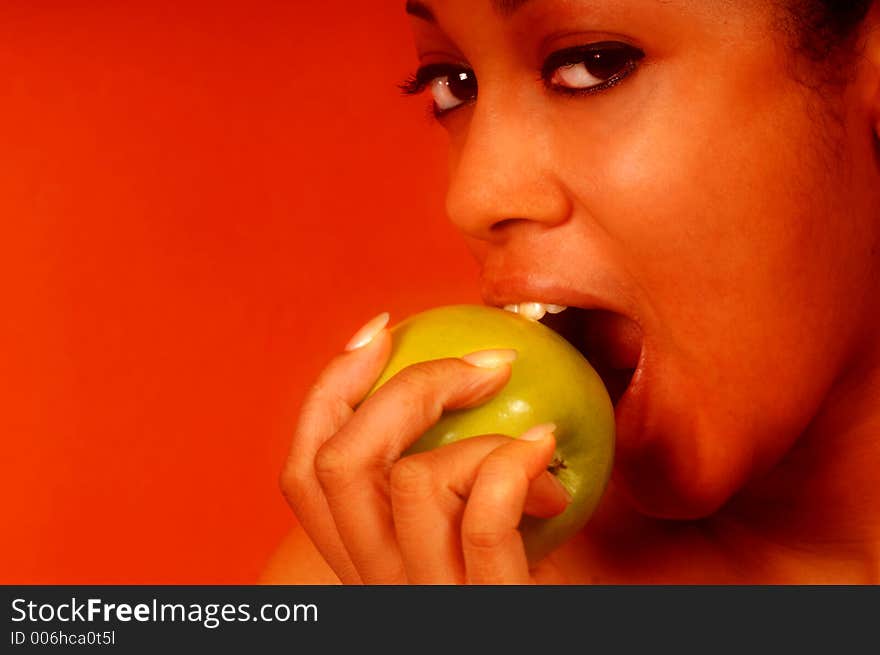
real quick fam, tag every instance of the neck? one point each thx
(817, 514)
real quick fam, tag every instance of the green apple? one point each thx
(550, 382)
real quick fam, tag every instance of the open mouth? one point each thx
(611, 342)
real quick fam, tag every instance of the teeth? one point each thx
(534, 310)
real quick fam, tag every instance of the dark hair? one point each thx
(824, 28)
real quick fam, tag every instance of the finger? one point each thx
(327, 406)
(428, 493)
(492, 545)
(354, 466)
(546, 497)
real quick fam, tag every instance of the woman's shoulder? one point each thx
(296, 561)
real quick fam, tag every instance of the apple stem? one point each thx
(556, 465)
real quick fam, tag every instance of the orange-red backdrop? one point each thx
(200, 202)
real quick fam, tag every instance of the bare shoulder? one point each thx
(296, 561)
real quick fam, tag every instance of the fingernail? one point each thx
(538, 432)
(367, 333)
(490, 358)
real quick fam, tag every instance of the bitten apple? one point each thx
(550, 382)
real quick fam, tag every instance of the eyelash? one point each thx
(419, 81)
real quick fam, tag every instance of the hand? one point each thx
(446, 516)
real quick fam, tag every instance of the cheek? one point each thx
(724, 222)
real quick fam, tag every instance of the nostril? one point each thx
(506, 224)
(485, 199)
(519, 225)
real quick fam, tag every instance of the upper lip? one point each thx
(515, 289)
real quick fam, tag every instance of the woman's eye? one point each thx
(590, 68)
(450, 91)
(450, 85)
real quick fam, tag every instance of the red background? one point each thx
(201, 202)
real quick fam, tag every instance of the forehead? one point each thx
(506, 8)
(529, 16)
(503, 8)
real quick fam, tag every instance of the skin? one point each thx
(723, 198)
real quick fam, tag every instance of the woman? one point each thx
(703, 179)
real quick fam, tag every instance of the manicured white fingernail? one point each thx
(367, 333)
(490, 358)
(538, 432)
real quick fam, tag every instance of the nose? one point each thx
(502, 170)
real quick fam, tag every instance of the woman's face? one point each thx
(659, 160)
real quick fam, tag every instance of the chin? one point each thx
(682, 472)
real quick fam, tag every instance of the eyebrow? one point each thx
(504, 8)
